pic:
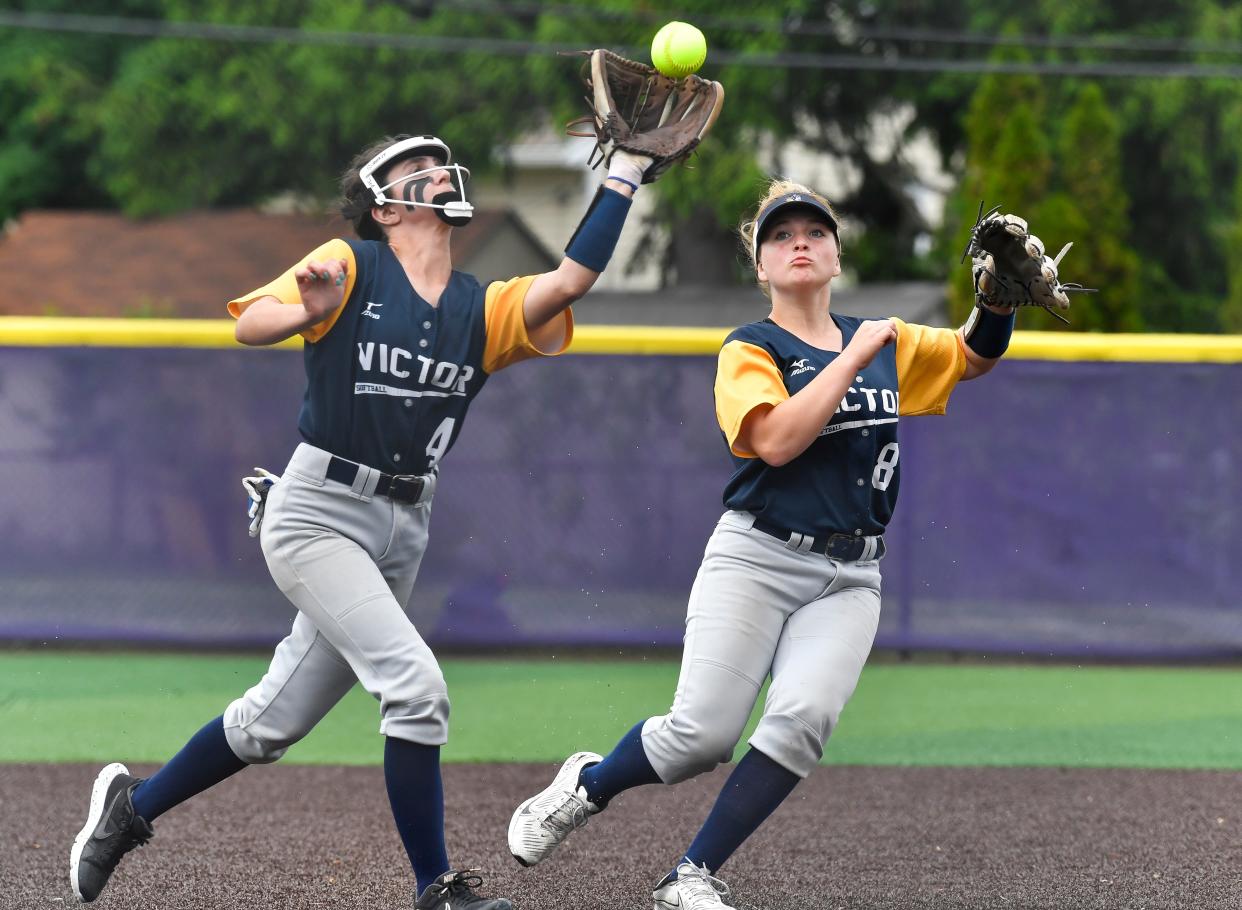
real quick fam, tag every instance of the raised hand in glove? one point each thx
(1010, 267)
(636, 110)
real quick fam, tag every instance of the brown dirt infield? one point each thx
(852, 838)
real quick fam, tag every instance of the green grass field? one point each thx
(92, 707)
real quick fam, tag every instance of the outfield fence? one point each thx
(1083, 500)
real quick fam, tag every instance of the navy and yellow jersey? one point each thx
(389, 377)
(846, 481)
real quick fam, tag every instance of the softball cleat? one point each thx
(547, 818)
(694, 888)
(455, 891)
(111, 830)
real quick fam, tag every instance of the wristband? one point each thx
(596, 237)
(628, 167)
(630, 183)
(987, 333)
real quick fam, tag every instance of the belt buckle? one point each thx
(842, 546)
(406, 487)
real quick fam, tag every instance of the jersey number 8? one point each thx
(885, 466)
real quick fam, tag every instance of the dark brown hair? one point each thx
(356, 200)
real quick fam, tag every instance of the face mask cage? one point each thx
(454, 208)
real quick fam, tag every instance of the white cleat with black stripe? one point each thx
(694, 889)
(547, 818)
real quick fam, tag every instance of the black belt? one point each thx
(845, 547)
(399, 487)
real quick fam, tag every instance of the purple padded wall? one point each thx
(1059, 509)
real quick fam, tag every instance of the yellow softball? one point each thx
(678, 49)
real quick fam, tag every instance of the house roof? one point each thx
(84, 263)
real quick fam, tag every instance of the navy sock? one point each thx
(416, 793)
(753, 791)
(202, 763)
(624, 767)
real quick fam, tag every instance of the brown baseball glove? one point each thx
(1010, 267)
(636, 109)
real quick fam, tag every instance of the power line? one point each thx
(268, 34)
(1088, 42)
(845, 32)
(264, 34)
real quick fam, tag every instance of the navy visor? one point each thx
(783, 203)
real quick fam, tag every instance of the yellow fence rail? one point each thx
(38, 331)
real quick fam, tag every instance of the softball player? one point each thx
(397, 346)
(808, 403)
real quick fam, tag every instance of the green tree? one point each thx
(766, 106)
(1179, 160)
(50, 85)
(1008, 163)
(1177, 149)
(1231, 315)
(700, 204)
(1091, 208)
(195, 123)
(161, 125)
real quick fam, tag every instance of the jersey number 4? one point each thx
(440, 441)
(885, 466)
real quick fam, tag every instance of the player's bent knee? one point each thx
(680, 749)
(259, 737)
(253, 750)
(423, 720)
(792, 741)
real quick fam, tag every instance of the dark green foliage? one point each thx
(1231, 317)
(1067, 186)
(1139, 172)
(1093, 209)
(1008, 164)
(192, 123)
(50, 86)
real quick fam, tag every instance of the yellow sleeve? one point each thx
(285, 288)
(508, 341)
(746, 378)
(929, 364)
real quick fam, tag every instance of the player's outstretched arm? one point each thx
(987, 330)
(551, 292)
(268, 320)
(643, 123)
(1009, 268)
(586, 255)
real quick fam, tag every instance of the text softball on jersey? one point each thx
(439, 378)
(866, 407)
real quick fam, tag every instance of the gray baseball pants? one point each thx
(347, 560)
(759, 607)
